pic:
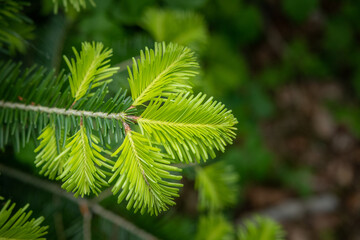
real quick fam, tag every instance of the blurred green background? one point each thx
(289, 70)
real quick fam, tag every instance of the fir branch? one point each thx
(217, 186)
(96, 208)
(82, 173)
(34, 85)
(63, 111)
(18, 225)
(214, 227)
(90, 68)
(183, 27)
(261, 228)
(52, 156)
(141, 171)
(77, 4)
(160, 72)
(30, 99)
(188, 126)
(15, 27)
(18, 116)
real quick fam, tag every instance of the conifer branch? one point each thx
(143, 176)
(52, 155)
(96, 208)
(260, 228)
(189, 127)
(217, 186)
(63, 111)
(30, 99)
(183, 27)
(15, 28)
(76, 4)
(82, 171)
(89, 69)
(77, 124)
(19, 226)
(161, 72)
(214, 226)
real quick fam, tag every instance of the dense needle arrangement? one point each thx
(89, 138)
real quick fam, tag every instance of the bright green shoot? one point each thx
(217, 185)
(261, 228)
(91, 66)
(161, 72)
(18, 225)
(79, 125)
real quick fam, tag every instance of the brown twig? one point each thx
(87, 216)
(126, 127)
(103, 195)
(92, 206)
(58, 219)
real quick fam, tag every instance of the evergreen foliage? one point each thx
(261, 228)
(18, 225)
(143, 175)
(82, 173)
(21, 117)
(77, 121)
(161, 72)
(189, 127)
(51, 160)
(217, 186)
(91, 66)
(182, 27)
(76, 4)
(214, 227)
(15, 27)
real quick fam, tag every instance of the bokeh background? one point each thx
(289, 70)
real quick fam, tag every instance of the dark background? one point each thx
(289, 70)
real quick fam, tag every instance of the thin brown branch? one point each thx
(116, 219)
(58, 219)
(37, 182)
(103, 195)
(62, 111)
(94, 207)
(87, 216)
